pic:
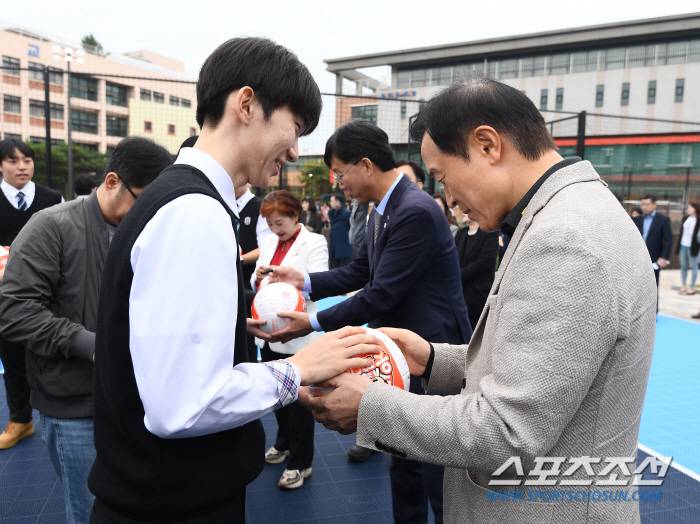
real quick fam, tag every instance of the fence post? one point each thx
(629, 186)
(69, 141)
(47, 118)
(581, 135)
(686, 192)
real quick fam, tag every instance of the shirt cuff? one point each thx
(288, 381)
(314, 322)
(307, 283)
(429, 364)
(83, 345)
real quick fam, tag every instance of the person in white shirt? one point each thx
(291, 245)
(689, 247)
(176, 400)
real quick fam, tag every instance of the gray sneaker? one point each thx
(294, 478)
(274, 456)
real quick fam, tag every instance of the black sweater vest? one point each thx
(248, 237)
(12, 220)
(136, 473)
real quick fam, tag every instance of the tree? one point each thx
(85, 161)
(316, 179)
(91, 41)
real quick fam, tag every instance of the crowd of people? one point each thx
(125, 316)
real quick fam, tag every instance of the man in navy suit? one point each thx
(656, 231)
(340, 249)
(408, 273)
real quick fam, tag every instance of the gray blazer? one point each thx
(557, 366)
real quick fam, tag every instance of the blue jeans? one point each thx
(71, 448)
(688, 262)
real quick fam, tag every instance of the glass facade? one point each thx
(83, 87)
(116, 95)
(36, 109)
(368, 112)
(83, 122)
(12, 104)
(116, 126)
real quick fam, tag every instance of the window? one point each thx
(12, 104)
(673, 53)
(625, 100)
(461, 69)
(599, 92)
(441, 76)
(640, 56)
(36, 109)
(146, 95)
(404, 78)
(419, 78)
(532, 66)
(559, 65)
(651, 92)
(680, 83)
(694, 51)
(508, 69)
(36, 72)
(185, 103)
(109, 150)
(158, 98)
(83, 87)
(148, 126)
(174, 101)
(116, 95)
(403, 110)
(560, 98)
(543, 99)
(492, 68)
(10, 66)
(613, 58)
(90, 147)
(12, 136)
(368, 112)
(171, 129)
(42, 140)
(83, 122)
(193, 131)
(116, 126)
(585, 61)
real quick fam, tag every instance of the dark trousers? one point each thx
(232, 512)
(296, 426)
(656, 274)
(338, 262)
(16, 386)
(250, 339)
(415, 483)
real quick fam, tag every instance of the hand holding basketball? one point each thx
(415, 349)
(288, 275)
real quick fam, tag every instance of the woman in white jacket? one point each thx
(291, 245)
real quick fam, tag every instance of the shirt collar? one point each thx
(382, 205)
(12, 191)
(247, 197)
(216, 174)
(650, 216)
(510, 223)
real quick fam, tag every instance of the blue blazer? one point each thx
(660, 236)
(410, 279)
(340, 246)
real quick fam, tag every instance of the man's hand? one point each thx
(338, 410)
(415, 349)
(662, 263)
(300, 326)
(253, 327)
(330, 354)
(288, 275)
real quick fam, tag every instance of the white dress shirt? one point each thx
(261, 229)
(11, 192)
(184, 296)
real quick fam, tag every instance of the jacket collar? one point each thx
(573, 174)
(302, 239)
(94, 212)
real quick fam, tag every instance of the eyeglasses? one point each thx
(339, 178)
(128, 188)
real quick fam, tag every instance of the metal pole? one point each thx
(47, 118)
(581, 135)
(69, 142)
(629, 186)
(686, 191)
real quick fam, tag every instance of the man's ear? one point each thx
(112, 181)
(241, 104)
(487, 143)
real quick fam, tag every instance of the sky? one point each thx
(315, 30)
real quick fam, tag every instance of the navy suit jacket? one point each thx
(410, 279)
(340, 246)
(659, 238)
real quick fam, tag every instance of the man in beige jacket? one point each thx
(556, 371)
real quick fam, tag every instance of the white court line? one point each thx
(674, 464)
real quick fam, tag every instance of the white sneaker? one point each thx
(274, 456)
(293, 478)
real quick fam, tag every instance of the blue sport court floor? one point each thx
(341, 492)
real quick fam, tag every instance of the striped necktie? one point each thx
(377, 220)
(21, 204)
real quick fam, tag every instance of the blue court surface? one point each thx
(340, 492)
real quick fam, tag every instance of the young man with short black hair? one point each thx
(176, 401)
(83, 186)
(20, 200)
(412, 170)
(48, 306)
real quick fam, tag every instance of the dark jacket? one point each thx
(659, 238)
(694, 243)
(340, 246)
(358, 224)
(313, 220)
(477, 255)
(409, 279)
(48, 303)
